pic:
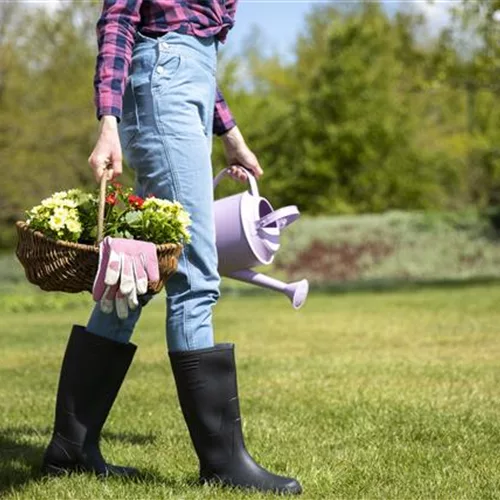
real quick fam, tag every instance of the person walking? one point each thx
(157, 101)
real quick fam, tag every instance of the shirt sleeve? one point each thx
(115, 30)
(231, 8)
(223, 119)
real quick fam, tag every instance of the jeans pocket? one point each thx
(166, 67)
(129, 124)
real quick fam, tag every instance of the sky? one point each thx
(280, 21)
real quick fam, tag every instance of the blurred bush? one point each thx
(411, 246)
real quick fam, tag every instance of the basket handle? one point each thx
(102, 204)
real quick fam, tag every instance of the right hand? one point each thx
(107, 153)
(239, 157)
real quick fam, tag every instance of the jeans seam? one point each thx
(176, 191)
(135, 116)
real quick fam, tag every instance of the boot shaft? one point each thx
(208, 395)
(92, 372)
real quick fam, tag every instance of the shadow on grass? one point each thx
(129, 438)
(21, 458)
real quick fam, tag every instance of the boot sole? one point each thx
(217, 481)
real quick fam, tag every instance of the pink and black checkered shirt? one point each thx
(116, 28)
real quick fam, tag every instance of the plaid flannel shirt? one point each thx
(116, 28)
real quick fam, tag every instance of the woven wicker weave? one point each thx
(71, 267)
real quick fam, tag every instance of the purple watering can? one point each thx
(248, 235)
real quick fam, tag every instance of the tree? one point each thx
(47, 116)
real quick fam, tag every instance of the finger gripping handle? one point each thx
(254, 190)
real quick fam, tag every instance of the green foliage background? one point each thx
(372, 114)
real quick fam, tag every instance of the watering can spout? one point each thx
(296, 291)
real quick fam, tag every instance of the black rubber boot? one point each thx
(208, 394)
(92, 373)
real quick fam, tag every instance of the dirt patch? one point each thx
(336, 262)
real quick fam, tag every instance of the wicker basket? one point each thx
(61, 266)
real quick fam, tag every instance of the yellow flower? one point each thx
(164, 205)
(59, 218)
(56, 222)
(62, 212)
(36, 211)
(184, 218)
(49, 203)
(69, 203)
(60, 195)
(73, 225)
(59, 199)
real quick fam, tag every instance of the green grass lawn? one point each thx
(389, 395)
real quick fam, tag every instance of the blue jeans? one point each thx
(166, 137)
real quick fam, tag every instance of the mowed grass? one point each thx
(365, 395)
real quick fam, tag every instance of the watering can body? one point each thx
(248, 235)
(235, 236)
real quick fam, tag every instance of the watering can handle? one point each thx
(282, 217)
(254, 190)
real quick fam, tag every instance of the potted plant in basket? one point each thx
(58, 242)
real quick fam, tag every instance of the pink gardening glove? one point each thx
(125, 267)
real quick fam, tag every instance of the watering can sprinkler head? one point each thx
(296, 291)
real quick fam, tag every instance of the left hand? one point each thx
(239, 157)
(106, 158)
